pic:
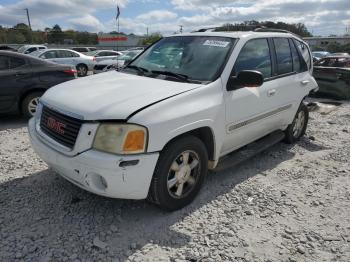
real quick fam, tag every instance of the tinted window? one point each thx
(63, 54)
(304, 50)
(283, 56)
(16, 62)
(296, 58)
(4, 63)
(80, 49)
(255, 55)
(41, 48)
(30, 50)
(49, 55)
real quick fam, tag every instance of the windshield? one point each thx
(198, 58)
(22, 48)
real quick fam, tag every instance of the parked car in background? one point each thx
(115, 63)
(27, 49)
(140, 48)
(340, 54)
(23, 80)
(7, 48)
(84, 50)
(101, 55)
(317, 55)
(153, 129)
(333, 77)
(81, 62)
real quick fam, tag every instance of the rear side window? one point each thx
(255, 55)
(305, 52)
(16, 62)
(49, 55)
(296, 58)
(283, 56)
(4, 63)
(41, 48)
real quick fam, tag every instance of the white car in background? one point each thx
(101, 55)
(82, 63)
(117, 62)
(27, 49)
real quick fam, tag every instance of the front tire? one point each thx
(298, 127)
(179, 174)
(30, 103)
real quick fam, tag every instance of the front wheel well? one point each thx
(206, 135)
(27, 93)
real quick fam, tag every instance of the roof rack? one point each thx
(253, 28)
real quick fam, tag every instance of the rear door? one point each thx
(291, 77)
(64, 57)
(15, 77)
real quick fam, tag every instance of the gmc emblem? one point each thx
(56, 126)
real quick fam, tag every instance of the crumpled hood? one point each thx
(111, 95)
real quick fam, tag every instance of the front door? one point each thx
(251, 112)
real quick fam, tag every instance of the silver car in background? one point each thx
(101, 55)
(117, 62)
(81, 62)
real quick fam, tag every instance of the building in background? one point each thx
(119, 41)
(323, 42)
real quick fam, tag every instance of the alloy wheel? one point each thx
(183, 174)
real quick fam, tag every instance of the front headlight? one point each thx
(121, 138)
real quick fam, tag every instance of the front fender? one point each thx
(201, 107)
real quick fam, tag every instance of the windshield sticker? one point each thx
(216, 43)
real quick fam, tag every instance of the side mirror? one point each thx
(245, 78)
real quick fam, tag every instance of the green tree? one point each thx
(151, 39)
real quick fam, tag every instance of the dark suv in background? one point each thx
(24, 79)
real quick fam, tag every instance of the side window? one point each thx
(41, 48)
(16, 62)
(283, 56)
(49, 55)
(296, 58)
(255, 55)
(72, 54)
(304, 50)
(4, 63)
(62, 54)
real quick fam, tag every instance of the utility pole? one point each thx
(30, 26)
(147, 31)
(181, 29)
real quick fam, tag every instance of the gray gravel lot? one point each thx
(291, 203)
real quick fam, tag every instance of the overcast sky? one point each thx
(322, 17)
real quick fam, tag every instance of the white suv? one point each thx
(188, 103)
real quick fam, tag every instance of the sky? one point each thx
(322, 17)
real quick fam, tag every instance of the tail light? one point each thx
(71, 72)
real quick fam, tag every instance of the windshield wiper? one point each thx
(140, 69)
(176, 75)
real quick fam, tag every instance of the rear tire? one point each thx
(29, 104)
(298, 127)
(82, 70)
(179, 174)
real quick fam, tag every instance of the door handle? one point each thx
(338, 75)
(271, 92)
(305, 82)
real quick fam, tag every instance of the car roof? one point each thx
(240, 34)
(24, 56)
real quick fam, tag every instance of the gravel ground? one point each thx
(291, 203)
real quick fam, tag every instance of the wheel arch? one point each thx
(27, 93)
(205, 134)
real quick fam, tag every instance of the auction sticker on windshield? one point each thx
(216, 43)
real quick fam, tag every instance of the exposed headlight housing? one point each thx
(121, 139)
